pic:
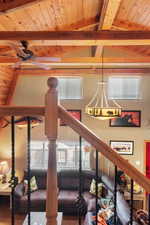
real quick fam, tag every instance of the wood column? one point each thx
(51, 116)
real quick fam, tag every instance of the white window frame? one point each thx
(80, 96)
(138, 96)
(67, 162)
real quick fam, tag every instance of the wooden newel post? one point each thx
(51, 117)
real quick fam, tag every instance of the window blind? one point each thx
(70, 88)
(124, 87)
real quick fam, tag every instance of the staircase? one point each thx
(52, 111)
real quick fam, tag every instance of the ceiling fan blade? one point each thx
(41, 65)
(53, 59)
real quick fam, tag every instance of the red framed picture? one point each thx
(129, 118)
(76, 113)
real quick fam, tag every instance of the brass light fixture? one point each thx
(99, 106)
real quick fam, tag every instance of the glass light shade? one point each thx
(103, 113)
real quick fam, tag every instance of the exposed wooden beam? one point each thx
(86, 27)
(110, 13)
(12, 87)
(15, 4)
(107, 16)
(79, 38)
(83, 72)
(129, 26)
(93, 61)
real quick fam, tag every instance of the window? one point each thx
(124, 87)
(70, 88)
(67, 156)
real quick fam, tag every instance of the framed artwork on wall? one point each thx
(76, 113)
(129, 118)
(123, 147)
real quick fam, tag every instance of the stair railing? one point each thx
(52, 111)
(103, 148)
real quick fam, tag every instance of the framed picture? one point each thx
(76, 113)
(129, 118)
(123, 147)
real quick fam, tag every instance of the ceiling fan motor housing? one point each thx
(28, 54)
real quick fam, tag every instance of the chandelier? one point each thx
(99, 106)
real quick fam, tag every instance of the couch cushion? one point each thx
(69, 179)
(67, 198)
(88, 175)
(38, 200)
(87, 196)
(40, 176)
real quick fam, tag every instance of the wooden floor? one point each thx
(5, 216)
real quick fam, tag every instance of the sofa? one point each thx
(68, 185)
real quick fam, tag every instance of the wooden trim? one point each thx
(21, 110)
(83, 72)
(79, 38)
(100, 146)
(15, 4)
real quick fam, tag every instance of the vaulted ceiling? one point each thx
(69, 15)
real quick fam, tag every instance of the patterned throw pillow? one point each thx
(106, 203)
(93, 188)
(33, 185)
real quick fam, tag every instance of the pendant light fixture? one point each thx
(99, 106)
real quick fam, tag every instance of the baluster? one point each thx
(131, 203)
(28, 168)
(115, 197)
(96, 179)
(80, 177)
(13, 170)
(51, 116)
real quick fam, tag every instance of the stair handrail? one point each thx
(103, 148)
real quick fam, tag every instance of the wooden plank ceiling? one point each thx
(45, 15)
(68, 15)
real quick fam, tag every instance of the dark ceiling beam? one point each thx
(79, 38)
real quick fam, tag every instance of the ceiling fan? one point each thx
(25, 54)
